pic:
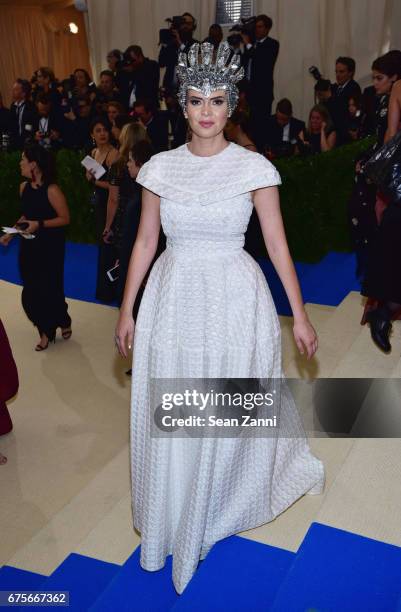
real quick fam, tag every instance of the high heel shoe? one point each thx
(380, 327)
(66, 333)
(39, 347)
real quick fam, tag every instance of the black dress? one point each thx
(362, 204)
(105, 288)
(41, 263)
(125, 228)
(382, 282)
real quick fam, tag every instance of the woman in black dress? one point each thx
(41, 259)
(105, 154)
(382, 283)
(320, 135)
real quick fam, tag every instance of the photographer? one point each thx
(283, 130)
(344, 88)
(178, 38)
(259, 58)
(47, 128)
(140, 78)
(22, 114)
(45, 82)
(155, 123)
(106, 92)
(76, 125)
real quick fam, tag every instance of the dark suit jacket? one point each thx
(146, 80)
(274, 135)
(4, 120)
(157, 131)
(168, 58)
(263, 59)
(29, 116)
(341, 99)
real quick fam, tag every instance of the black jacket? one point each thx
(146, 81)
(274, 135)
(263, 58)
(157, 130)
(28, 121)
(168, 58)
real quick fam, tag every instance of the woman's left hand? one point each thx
(32, 227)
(107, 236)
(305, 337)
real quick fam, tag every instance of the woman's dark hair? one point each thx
(86, 73)
(240, 118)
(44, 160)
(142, 151)
(102, 122)
(389, 64)
(357, 99)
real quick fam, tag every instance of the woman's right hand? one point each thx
(6, 239)
(124, 334)
(90, 175)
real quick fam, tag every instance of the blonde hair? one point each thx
(131, 133)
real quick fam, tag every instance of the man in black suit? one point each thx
(22, 114)
(155, 123)
(344, 89)
(106, 92)
(259, 60)
(283, 130)
(182, 39)
(48, 124)
(141, 78)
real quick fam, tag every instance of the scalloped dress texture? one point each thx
(207, 311)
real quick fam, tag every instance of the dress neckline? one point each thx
(207, 156)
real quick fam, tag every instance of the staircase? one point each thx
(337, 552)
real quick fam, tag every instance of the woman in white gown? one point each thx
(207, 312)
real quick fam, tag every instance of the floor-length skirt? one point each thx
(209, 314)
(41, 263)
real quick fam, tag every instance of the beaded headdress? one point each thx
(206, 76)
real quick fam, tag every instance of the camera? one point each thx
(315, 72)
(165, 35)
(247, 26)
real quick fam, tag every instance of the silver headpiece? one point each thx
(205, 76)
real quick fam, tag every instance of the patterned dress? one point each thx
(207, 312)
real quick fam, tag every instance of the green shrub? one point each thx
(314, 197)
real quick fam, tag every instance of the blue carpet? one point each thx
(327, 282)
(237, 575)
(84, 577)
(134, 588)
(14, 579)
(339, 571)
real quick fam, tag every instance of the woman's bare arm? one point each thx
(394, 112)
(267, 205)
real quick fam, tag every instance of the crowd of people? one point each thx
(60, 113)
(127, 117)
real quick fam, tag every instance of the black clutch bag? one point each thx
(383, 168)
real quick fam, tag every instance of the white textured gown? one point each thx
(207, 311)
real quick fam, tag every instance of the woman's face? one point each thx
(382, 82)
(43, 81)
(80, 78)
(133, 168)
(26, 166)
(316, 121)
(352, 107)
(207, 116)
(100, 134)
(112, 112)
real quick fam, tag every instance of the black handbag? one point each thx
(383, 168)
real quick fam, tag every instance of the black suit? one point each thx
(146, 82)
(21, 130)
(342, 96)
(4, 120)
(168, 58)
(263, 57)
(274, 134)
(157, 130)
(55, 122)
